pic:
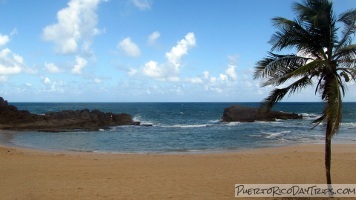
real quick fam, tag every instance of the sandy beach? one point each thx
(33, 174)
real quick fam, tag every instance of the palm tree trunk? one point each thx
(328, 152)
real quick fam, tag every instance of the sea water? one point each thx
(182, 127)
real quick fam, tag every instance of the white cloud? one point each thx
(132, 71)
(47, 80)
(52, 86)
(230, 72)
(195, 80)
(75, 27)
(130, 48)
(223, 77)
(9, 70)
(206, 74)
(152, 38)
(181, 49)
(173, 78)
(212, 80)
(10, 63)
(170, 70)
(152, 69)
(52, 68)
(142, 4)
(80, 64)
(4, 39)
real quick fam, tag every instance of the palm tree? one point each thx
(325, 56)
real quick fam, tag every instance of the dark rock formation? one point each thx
(13, 119)
(246, 114)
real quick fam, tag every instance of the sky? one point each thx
(140, 50)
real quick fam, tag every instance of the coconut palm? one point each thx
(325, 57)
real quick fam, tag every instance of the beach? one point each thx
(35, 174)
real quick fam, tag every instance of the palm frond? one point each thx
(276, 66)
(348, 18)
(346, 53)
(279, 93)
(341, 82)
(347, 73)
(293, 34)
(333, 109)
(317, 121)
(319, 19)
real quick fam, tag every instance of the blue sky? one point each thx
(139, 50)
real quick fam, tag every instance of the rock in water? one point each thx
(13, 119)
(246, 114)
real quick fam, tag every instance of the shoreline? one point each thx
(5, 142)
(36, 174)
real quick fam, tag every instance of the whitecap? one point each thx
(349, 125)
(233, 123)
(138, 118)
(216, 121)
(310, 116)
(186, 126)
(272, 135)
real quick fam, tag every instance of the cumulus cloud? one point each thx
(130, 48)
(142, 4)
(52, 86)
(75, 27)
(181, 49)
(152, 69)
(80, 64)
(223, 77)
(230, 72)
(170, 70)
(10, 63)
(3, 39)
(152, 38)
(46, 80)
(52, 68)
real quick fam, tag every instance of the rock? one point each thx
(13, 119)
(246, 114)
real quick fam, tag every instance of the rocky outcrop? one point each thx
(13, 119)
(247, 114)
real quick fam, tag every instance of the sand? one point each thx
(32, 174)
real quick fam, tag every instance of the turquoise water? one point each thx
(182, 127)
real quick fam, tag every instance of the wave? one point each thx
(310, 116)
(272, 135)
(348, 125)
(186, 126)
(353, 124)
(233, 123)
(215, 121)
(143, 122)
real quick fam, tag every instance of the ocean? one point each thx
(182, 128)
